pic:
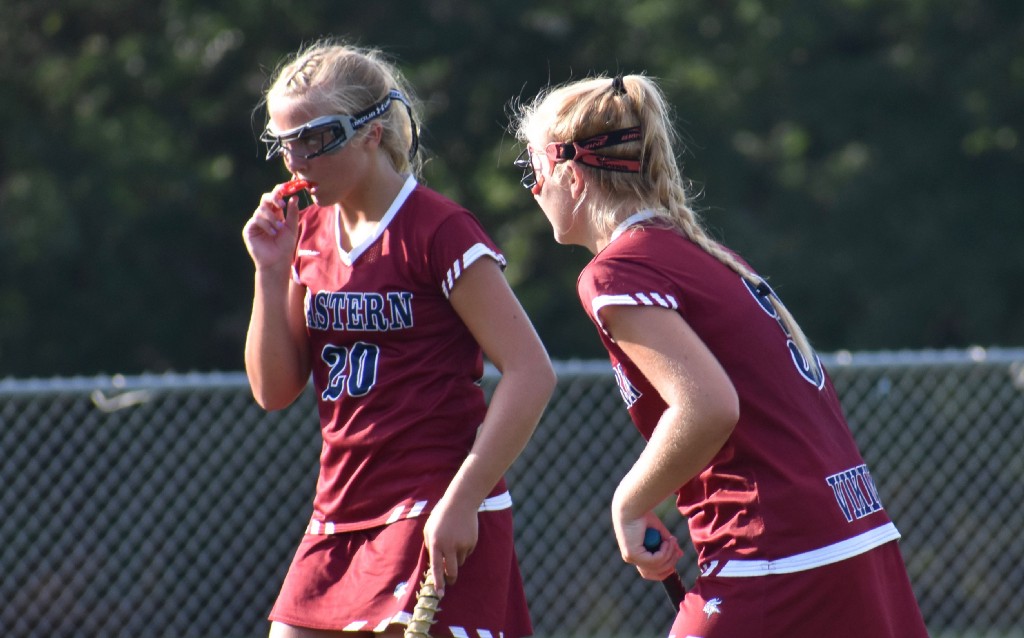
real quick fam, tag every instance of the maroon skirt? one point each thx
(866, 595)
(367, 580)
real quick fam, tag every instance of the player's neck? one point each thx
(361, 213)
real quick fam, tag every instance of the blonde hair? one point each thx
(346, 79)
(585, 108)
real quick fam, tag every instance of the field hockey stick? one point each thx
(673, 583)
(428, 602)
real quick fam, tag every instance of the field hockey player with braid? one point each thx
(743, 426)
(388, 295)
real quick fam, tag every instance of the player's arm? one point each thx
(491, 312)
(276, 347)
(702, 410)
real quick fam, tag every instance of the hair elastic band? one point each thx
(618, 86)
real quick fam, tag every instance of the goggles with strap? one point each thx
(532, 161)
(331, 132)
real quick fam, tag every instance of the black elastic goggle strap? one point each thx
(415, 144)
(603, 140)
(380, 108)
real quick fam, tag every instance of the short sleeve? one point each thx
(460, 241)
(620, 281)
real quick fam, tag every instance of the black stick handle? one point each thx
(673, 583)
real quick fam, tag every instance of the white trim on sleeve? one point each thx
(476, 251)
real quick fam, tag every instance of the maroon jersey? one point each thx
(789, 490)
(395, 370)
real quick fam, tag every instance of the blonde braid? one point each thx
(346, 79)
(301, 78)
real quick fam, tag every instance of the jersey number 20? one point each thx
(353, 371)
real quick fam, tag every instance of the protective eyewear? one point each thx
(331, 132)
(532, 161)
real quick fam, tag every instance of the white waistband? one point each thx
(494, 503)
(739, 568)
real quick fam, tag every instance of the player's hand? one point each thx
(450, 535)
(270, 233)
(652, 565)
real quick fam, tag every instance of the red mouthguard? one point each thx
(294, 186)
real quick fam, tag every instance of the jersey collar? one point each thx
(632, 220)
(348, 258)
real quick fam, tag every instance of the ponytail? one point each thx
(587, 108)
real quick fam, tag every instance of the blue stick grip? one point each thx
(652, 540)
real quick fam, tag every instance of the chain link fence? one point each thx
(170, 505)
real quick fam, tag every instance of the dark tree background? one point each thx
(866, 156)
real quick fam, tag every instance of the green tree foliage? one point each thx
(864, 155)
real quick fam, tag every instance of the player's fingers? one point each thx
(451, 568)
(464, 553)
(630, 536)
(658, 572)
(437, 570)
(665, 559)
(675, 550)
(291, 218)
(658, 564)
(260, 225)
(271, 206)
